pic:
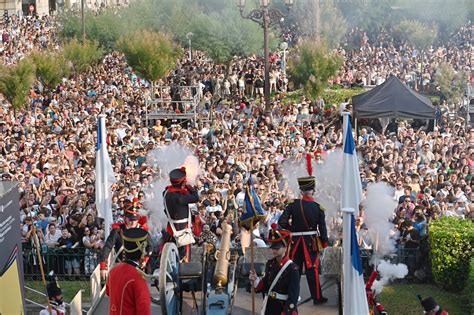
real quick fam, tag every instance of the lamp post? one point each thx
(189, 36)
(284, 47)
(266, 17)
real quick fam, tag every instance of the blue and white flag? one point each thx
(104, 177)
(351, 198)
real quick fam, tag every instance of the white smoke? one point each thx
(379, 209)
(165, 159)
(328, 184)
(388, 272)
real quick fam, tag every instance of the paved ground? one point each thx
(243, 301)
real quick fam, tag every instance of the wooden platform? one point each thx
(243, 302)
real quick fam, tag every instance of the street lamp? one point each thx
(284, 47)
(188, 36)
(266, 18)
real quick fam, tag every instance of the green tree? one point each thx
(312, 67)
(452, 83)
(82, 55)
(151, 54)
(51, 68)
(320, 20)
(416, 33)
(16, 82)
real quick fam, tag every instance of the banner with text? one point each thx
(11, 264)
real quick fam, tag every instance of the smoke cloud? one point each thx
(388, 272)
(379, 209)
(165, 159)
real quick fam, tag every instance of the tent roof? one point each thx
(392, 99)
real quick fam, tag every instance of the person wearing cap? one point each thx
(431, 307)
(114, 240)
(126, 286)
(177, 198)
(281, 280)
(55, 298)
(309, 233)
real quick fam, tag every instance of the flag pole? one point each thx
(252, 267)
(346, 245)
(40, 262)
(103, 184)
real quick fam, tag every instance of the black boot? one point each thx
(322, 300)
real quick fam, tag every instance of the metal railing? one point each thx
(87, 260)
(65, 262)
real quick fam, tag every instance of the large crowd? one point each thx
(49, 147)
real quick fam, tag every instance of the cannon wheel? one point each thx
(169, 280)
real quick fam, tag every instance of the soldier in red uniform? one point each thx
(431, 307)
(281, 282)
(126, 285)
(114, 240)
(177, 198)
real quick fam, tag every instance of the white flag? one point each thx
(105, 177)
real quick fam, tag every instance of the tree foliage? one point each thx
(82, 55)
(416, 33)
(332, 26)
(151, 54)
(51, 68)
(218, 29)
(452, 83)
(16, 82)
(312, 67)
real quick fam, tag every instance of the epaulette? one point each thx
(290, 201)
(322, 208)
(118, 226)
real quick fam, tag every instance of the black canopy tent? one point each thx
(392, 99)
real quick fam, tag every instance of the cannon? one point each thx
(211, 274)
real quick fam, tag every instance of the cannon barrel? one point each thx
(223, 257)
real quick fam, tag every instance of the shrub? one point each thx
(82, 55)
(470, 288)
(312, 66)
(151, 54)
(51, 68)
(452, 246)
(16, 82)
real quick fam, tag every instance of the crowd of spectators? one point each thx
(20, 35)
(49, 148)
(370, 63)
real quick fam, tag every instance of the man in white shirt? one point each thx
(53, 235)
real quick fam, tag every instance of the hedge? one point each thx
(470, 288)
(331, 96)
(451, 248)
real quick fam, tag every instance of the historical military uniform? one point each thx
(305, 219)
(114, 240)
(126, 285)
(431, 307)
(281, 282)
(55, 296)
(177, 199)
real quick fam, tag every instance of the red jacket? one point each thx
(128, 291)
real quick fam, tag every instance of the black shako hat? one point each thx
(278, 237)
(134, 242)
(178, 176)
(429, 304)
(53, 288)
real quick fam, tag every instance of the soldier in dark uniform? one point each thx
(114, 240)
(281, 282)
(126, 285)
(305, 219)
(55, 297)
(177, 198)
